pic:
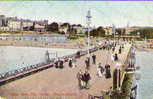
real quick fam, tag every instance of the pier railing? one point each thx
(125, 65)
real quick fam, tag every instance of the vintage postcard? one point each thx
(77, 49)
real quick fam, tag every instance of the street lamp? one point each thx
(114, 30)
(88, 27)
(117, 76)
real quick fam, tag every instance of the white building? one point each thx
(63, 30)
(27, 23)
(4, 28)
(40, 26)
(14, 25)
(80, 29)
(108, 30)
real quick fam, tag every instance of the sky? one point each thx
(104, 13)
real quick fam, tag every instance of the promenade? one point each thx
(63, 82)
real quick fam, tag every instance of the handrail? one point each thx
(124, 66)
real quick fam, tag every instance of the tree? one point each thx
(146, 32)
(72, 33)
(94, 33)
(53, 27)
(97, 32)
(101, 31)
(120, 31)
(134, 32)
(79, 25)
(66, 25)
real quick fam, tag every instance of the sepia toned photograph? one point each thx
(76, 49)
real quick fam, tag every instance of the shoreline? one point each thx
(68, 45)
(144, 49)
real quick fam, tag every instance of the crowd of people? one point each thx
(102, 71)
(59, 63)
(84, 78)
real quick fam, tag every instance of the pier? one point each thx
(63, 82)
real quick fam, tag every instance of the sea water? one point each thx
(12, 58)
(145, 84)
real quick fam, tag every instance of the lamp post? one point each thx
(88, 27)
(117, 77)
(113, 30)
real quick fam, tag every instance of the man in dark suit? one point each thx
(87, 77)
(94, 58)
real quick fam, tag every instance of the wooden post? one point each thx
(116, 79)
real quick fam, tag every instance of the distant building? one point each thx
(4, 28)
(40, 26)
(63, 29)
(108, 30)
(26, 24)
(128, 30)
(3, 20)
(13, 23)
(79, 29)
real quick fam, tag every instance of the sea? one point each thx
(12, 57)
(144, 59)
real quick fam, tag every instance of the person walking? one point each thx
(70, 62)
(116, 57)
(94, 58)
(87, 62)
(99, 73)
(78, 54)
(120, 49)
(61, 63)
(56, 64)
(73, 62)
(107, 71)
(102, 69)
(88, 58)
(80, 79)
(113, 49)
(86, 77)
(112, 57)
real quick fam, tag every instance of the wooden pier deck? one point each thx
(63, 83)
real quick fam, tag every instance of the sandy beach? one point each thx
(72, 45)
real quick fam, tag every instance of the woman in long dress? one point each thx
(73, 62)
(112, 57)
(80, 79)
(99, 70)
